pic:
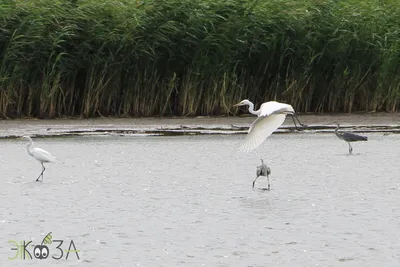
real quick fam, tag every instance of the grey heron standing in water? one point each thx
(271, 115)
(349, 137)
(263, 170)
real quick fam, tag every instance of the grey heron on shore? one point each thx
(271, 115)
(39, 154)
(349, 137)
(263, 170)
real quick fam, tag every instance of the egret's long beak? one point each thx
(236, 105)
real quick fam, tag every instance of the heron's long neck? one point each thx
(336, 131)
(252, 111)
(29, 147)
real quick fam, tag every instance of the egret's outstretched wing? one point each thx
(261, 128)
(42, 155)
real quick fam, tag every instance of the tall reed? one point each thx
(92, 58)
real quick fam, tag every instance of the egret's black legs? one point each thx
(294, 121)
(302, 124)
(41, 174)
(294, 116)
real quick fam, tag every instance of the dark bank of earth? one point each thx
(375, 122)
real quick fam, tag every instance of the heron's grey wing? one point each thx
(258, 171)
(261, 128)
(351, 137)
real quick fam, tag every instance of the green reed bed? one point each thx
(183, 57)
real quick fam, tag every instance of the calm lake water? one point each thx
(188, 201)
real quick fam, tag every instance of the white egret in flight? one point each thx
(39, 154)
(271, 115)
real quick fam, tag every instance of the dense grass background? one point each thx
(183, 57)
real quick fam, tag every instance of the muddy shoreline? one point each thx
(371, 122)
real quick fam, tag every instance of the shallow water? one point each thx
(188, 201)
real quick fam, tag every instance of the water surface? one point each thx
(188, 201)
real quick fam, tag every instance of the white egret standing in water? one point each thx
(39, 154)
(271, 115)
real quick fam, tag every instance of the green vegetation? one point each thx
(184, 57)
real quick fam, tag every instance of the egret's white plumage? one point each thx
(39, 154)
(271, 115)
(261, 128)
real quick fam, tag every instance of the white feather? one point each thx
(261, 128)
(273, 107)
(42, 155)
